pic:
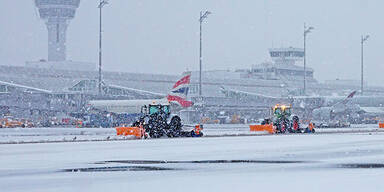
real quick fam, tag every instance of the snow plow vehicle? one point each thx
(282, 121)
(156, 121)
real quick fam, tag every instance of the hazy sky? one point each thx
(161, 36)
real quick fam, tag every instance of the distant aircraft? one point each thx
(340, 109)
(330, 110)
(177, 95)
(306, 103)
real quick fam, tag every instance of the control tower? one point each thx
(287, 56)
(285, 66)
(57, 14)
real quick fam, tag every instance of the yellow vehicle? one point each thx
(10, 123)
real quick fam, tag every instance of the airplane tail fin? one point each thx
(344, 102)
(350, 96)
(343, 105)
(179, 92)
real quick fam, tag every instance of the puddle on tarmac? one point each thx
(199, 162)
(135, 165)
(361, 165)
(119, 168)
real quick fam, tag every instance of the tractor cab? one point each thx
(282, 111)
(152, 109)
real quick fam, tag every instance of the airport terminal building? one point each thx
(45, 91)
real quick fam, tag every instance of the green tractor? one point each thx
(284, 122)
(281, 118)
(158, 122)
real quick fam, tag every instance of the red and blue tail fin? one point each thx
(179, 92)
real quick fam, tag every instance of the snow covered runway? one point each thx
(60, 134)
(336, 162)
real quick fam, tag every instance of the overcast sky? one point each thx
(161, 36)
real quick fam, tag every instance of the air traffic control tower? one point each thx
(57, 14)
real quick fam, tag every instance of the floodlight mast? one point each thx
(364, 38)
(100, 6)
(306, 31)
(203, 16)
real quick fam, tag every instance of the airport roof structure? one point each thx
(65, 81)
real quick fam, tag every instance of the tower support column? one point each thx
(57, 29)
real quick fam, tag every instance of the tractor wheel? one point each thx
(175, 123)
(175, 126)
(278, 128)
(283, 128)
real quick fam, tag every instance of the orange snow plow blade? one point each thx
(138, 132)
(267, 128)
(381, 125)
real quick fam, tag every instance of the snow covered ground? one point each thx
(317, 162)
(57, 134)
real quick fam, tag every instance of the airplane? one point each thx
(177, 96)
(308, 104)
(325, 110)
(336, 115)
(303, 102)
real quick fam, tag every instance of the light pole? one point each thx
(363, 39)
(201, 19)
(306, 31)
(101, 5)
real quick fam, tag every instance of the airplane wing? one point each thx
(25, 87)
